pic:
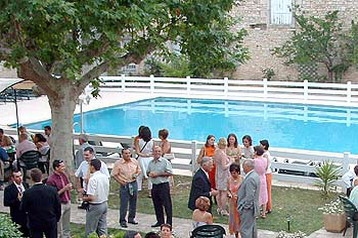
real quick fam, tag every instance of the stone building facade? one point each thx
(270, 23)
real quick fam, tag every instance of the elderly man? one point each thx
(97, 196)
(200, 185)
(125, 171)
(24, 145)
(248, 202)
(159, 171)
(60, 181)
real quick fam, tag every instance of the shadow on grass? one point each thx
(300, 206)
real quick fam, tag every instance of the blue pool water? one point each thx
(284, 125)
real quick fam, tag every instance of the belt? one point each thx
(67, 202)
(160, 184)
(97, 203)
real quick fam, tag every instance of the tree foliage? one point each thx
(63, 45)
(317, 40)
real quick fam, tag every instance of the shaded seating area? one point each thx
(214, 231)
(352, 215)
(27, 161)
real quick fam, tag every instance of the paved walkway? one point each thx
(181, 226)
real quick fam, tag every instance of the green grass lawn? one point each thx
(299, 205)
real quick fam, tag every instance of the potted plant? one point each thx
(334, 218)
(328, 174)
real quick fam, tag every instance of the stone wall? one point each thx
(263, 37)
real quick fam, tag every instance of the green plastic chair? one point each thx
(351, 214)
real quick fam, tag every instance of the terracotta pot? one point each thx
(334, 222)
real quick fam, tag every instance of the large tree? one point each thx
(63, 45)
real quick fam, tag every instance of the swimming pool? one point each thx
(284, 125)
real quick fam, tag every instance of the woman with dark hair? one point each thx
(265, 145)
(233, 150)
(233, 186)
(144, 151)
(247, 150)
(208, 150)
(44, 148)
(137, 137)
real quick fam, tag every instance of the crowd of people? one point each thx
(236, 178)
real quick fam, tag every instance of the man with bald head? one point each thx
(200, 185)
(159, 170)
(248, 200)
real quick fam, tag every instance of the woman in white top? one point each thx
(144, 151)
(201, 216)
(265, 145)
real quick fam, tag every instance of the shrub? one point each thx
(8, 229)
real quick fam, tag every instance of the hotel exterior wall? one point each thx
(255, 18)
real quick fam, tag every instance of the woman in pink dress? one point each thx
(233, 185)
(223, 163)
(260, 168)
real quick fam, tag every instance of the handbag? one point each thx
(141, 150)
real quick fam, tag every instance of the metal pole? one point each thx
(81, 113)
(17, 111)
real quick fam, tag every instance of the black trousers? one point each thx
(49, 229)
(161, 199)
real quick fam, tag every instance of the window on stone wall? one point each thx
(280, 12)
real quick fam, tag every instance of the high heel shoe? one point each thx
(224, 213)
(218, 211)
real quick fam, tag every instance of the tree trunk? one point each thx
(63, 105)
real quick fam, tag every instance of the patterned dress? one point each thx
(234, 216)
(260, 168)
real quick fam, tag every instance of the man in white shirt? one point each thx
(97, 196)
(84, 173)
(348, 178)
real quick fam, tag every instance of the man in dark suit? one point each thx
(200, 185)
(43, 207)
(12, 198)
(248, 200)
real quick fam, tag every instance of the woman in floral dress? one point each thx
(234, 183)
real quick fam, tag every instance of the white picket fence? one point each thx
(305, 92)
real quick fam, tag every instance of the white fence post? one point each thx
(226, 86)
(305, 90)
(264, 81)
(151, 84)
(193, 156)
(123, 82)
(188, 85)
(349, 92)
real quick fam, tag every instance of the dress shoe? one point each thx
(156, 225)
(124, 225)
(133, 222)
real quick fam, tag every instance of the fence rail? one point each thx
(305, 92)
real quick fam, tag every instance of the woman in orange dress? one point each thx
(233, 185)
(208, 150)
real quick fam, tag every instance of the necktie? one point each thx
(19, 188)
